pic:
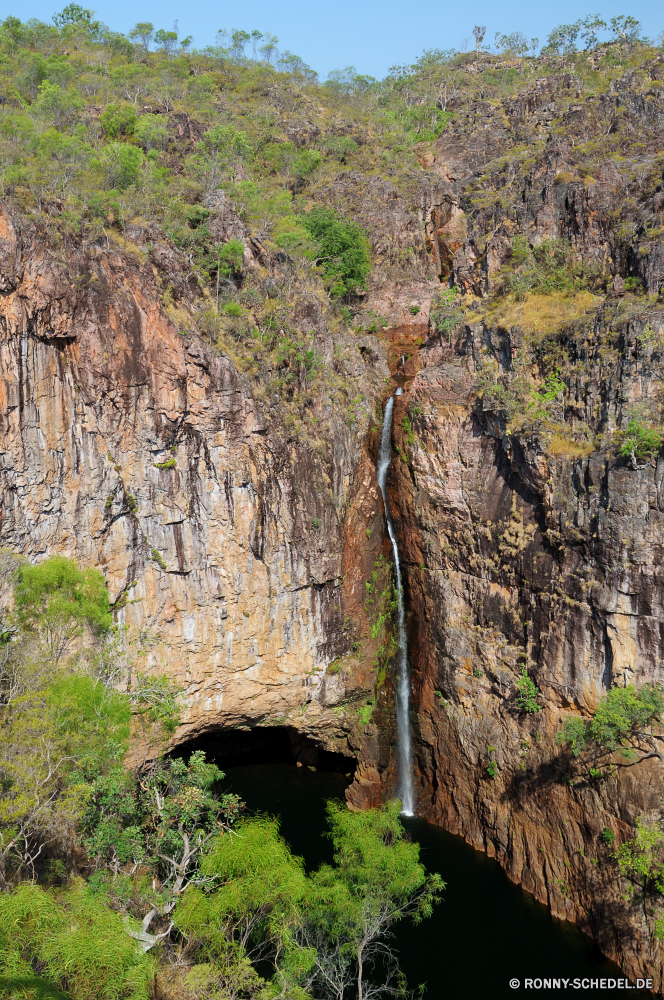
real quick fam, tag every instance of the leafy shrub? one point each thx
(506, 394)
(151, 131)
(118, 120)
(446, 313)
(210, 258)
(550, 266)
(306, 163)
(527, 696)
(343, 250)
(79, 944)
(122, 163)
(59, 105)
(161, 821)
(542, 399)
(59, 602)
(424, 122)
(639, 442)
(340, 146)
(641, 860)
(623, 720)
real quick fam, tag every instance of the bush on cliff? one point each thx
(627, 722)
(639, 442)
(549, 266)
(343, 250)
(59, 602)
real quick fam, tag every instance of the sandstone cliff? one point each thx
(245, 536)
(133, 447)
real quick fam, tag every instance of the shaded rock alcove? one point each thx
(266, 745)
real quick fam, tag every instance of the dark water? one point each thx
(485, 932)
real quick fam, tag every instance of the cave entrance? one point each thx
(266, 745)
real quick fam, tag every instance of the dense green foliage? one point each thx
(343, 252)
(60, 601)
(640, 861)
(446, 314)
(527, 692)
(627, 719)
(79, 944)
(639, 442)
(169, 861)
(549, 266)
(324, 931)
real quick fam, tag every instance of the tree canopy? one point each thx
(627, 720)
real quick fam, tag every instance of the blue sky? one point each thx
(371, 35)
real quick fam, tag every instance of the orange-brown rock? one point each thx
(132, 447)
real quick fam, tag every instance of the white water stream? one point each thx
(404, 749)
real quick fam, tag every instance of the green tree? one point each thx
(250, 911)
(627, 720)
(306, 163)
(221, 146)
(639, 442)
(59, 602)
(641, 860)
(118, 120)
(344, 254)
(142, 33)
(550, 266)
(590, 28)
(514, 44)
(73, 17)
(543, 400)
(162, 818)
(527, 694)
(79, 944)
(563, 38)
(122, 163)
(166, 40)
(59, 105)
(54, 742)
(377, 879)
(625, 28)
(324, 931)
(445, 314)
(151, 131)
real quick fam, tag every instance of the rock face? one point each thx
(129, 446)
(532, 543)
(518, 556)
(253, 552)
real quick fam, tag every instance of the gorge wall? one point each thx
(246, 542)
(130, 446)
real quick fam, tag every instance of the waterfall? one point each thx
(404, 753)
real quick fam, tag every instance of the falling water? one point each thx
(404, 763)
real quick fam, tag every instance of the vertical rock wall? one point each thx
(132, 447)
